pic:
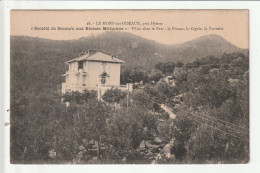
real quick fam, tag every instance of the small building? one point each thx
(93, 70)
(169, 80)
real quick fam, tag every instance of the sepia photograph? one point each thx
(129, 87)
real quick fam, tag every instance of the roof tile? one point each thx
(98, 56)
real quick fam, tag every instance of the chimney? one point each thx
(82, 53)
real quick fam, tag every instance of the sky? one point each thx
(178, 25)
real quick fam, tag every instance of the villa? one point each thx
(93, 70)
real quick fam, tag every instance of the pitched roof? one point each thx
(97, 56)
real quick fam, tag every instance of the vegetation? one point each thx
(114, 95)
(79, 98)
(211, 125)
(210, 101)
(140, 75)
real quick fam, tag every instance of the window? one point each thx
(103, 77)
(80, 65)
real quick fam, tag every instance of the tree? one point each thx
(90, 120)
(212, 93)
(113, 95)
(155, 76)
(211, 90)
(79, 97)
(180, 74)
(125, 131)
(132, 75)
(208, 145)
(166, 67)
(33, 127)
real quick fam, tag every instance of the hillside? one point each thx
(201, 47)
(36, 59)
(202, 119)
(133, 49)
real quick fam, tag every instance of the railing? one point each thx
(75, 72)
(115, 86)
(103, 87)
(122, 87)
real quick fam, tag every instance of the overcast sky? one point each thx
(233, 22)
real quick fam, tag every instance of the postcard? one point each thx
(129, 86)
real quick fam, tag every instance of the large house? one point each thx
(93, 70)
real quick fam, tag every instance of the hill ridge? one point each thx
(133, 49)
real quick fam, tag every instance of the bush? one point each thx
(79, 97)
(114, 95)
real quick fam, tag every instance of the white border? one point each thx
(254, 13)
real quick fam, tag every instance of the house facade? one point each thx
(92, 70)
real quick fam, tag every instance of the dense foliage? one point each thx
(213, 110)
(139, 75)
(210, 101)
(113, 95)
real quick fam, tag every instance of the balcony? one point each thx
(82, 72)
(66, 74)
(79, 72)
